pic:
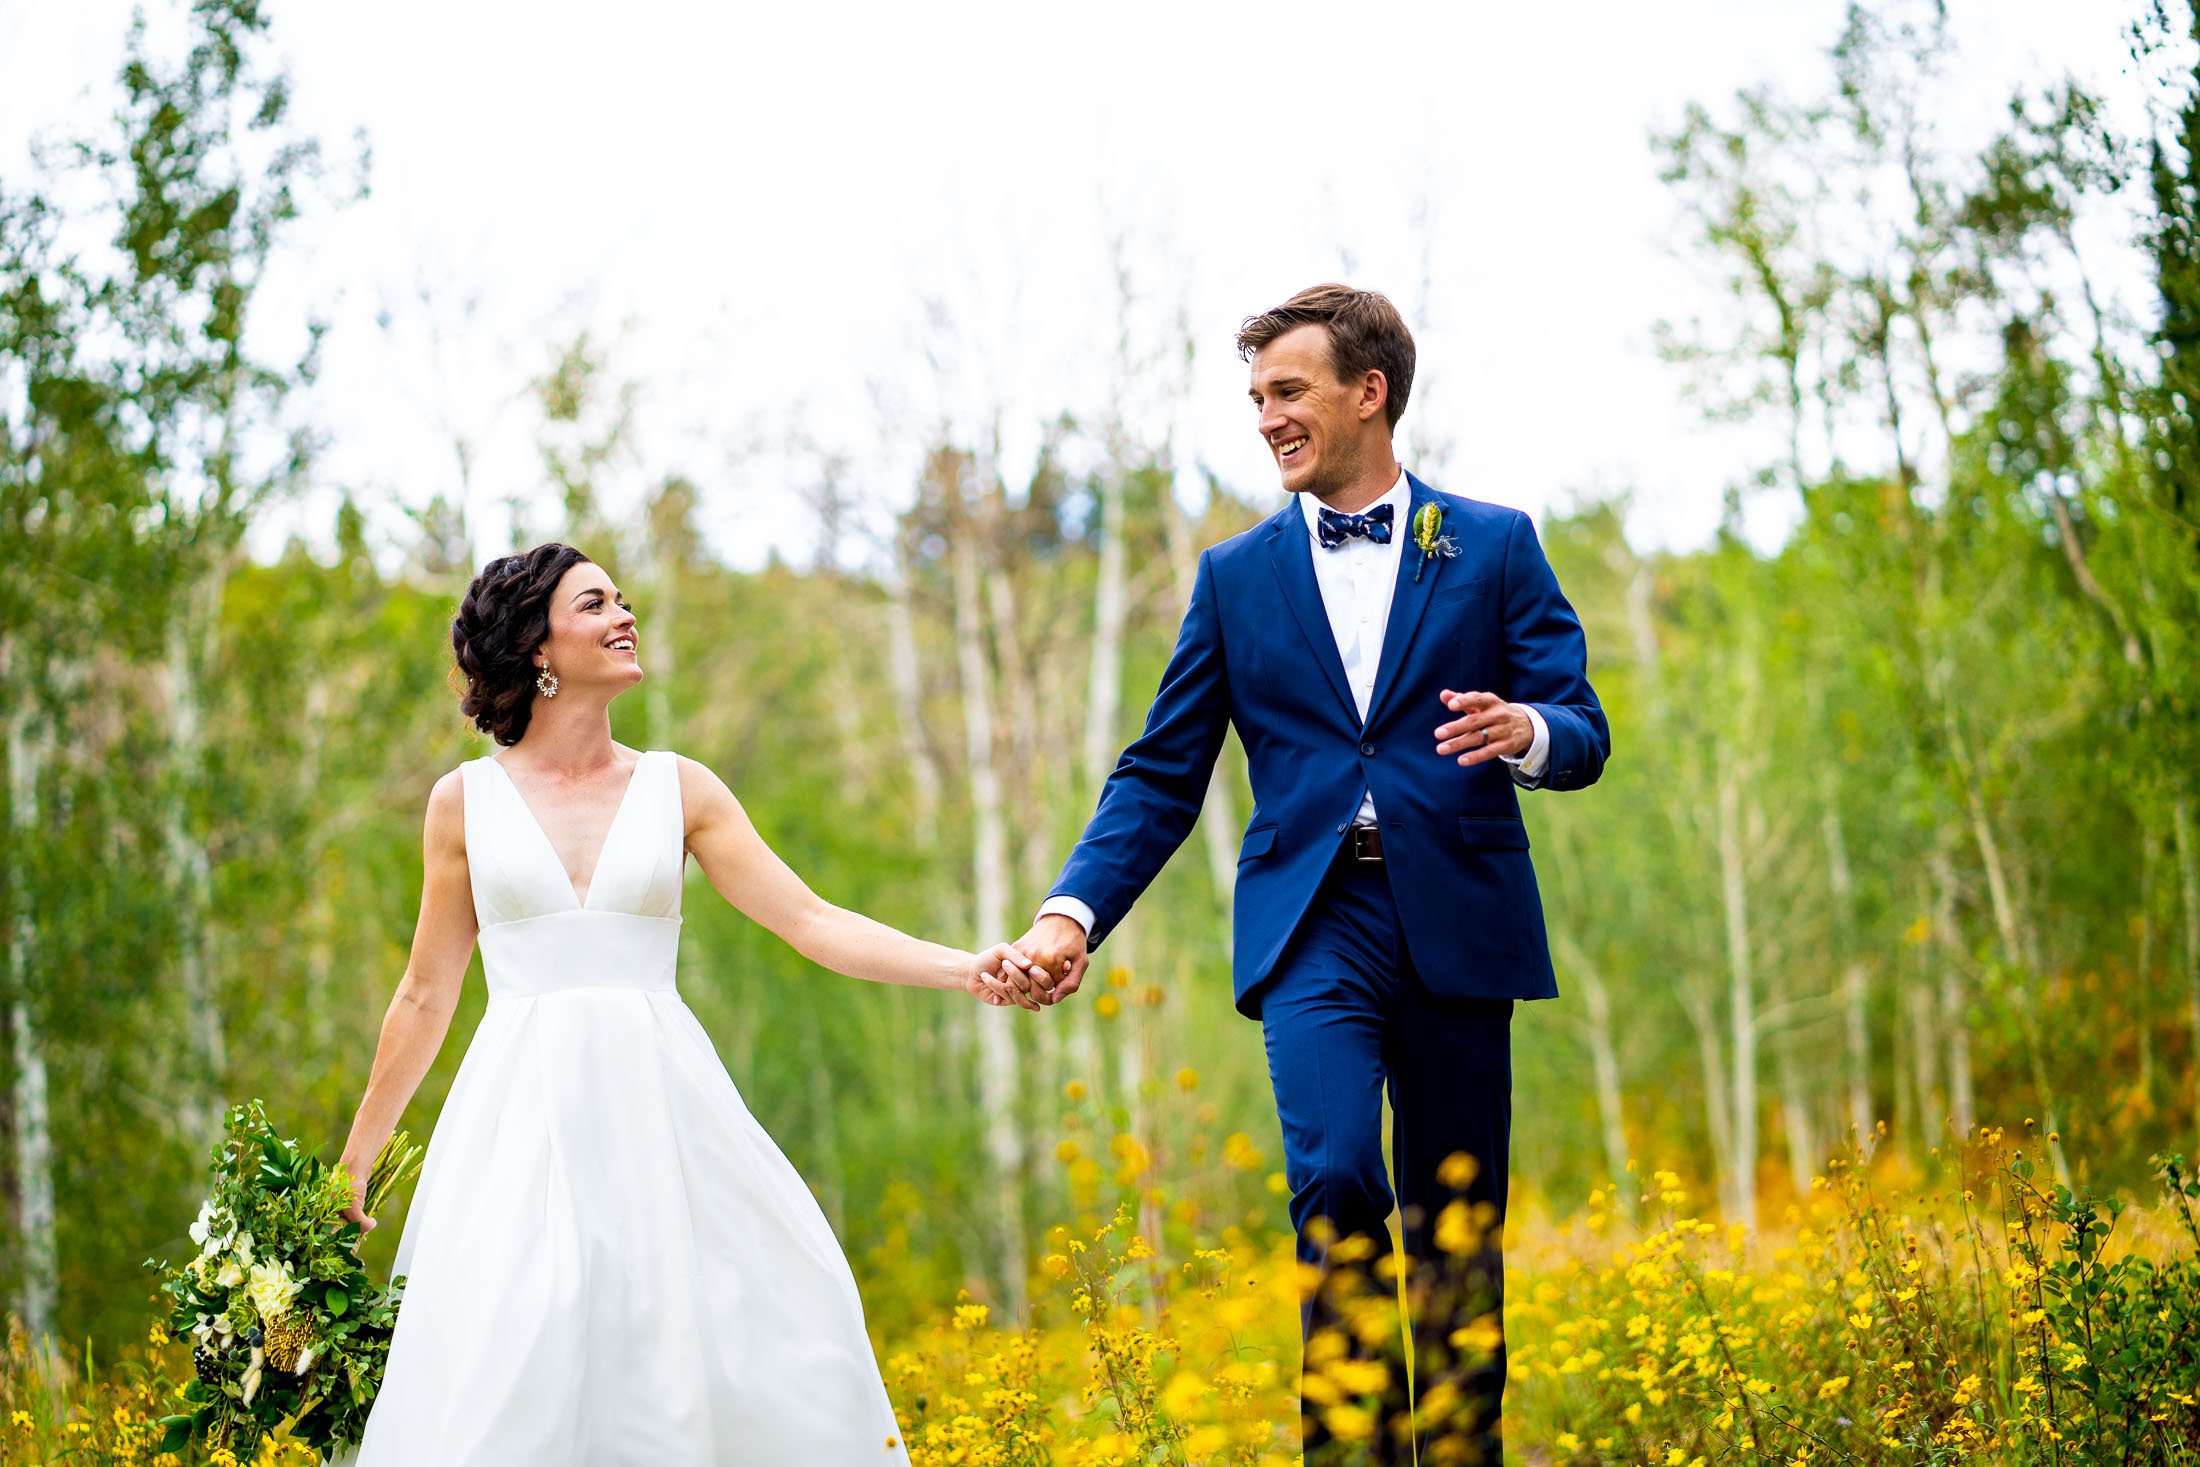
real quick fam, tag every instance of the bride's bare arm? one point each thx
(750, 875)
(420, 1015)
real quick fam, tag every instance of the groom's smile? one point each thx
(1313, 422)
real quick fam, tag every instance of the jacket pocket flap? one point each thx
(1258, 843)
(1493, 832)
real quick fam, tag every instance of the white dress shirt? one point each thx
(1357, 581)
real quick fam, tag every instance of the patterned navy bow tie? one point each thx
(1337, 528)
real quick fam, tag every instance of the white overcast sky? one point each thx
(840, 224)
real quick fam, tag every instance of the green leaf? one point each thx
(336, 1301)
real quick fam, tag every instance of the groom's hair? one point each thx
(1366, 334)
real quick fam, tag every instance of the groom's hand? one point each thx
(1487, 727)
(1056, 946)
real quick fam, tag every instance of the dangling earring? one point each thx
(546, 682)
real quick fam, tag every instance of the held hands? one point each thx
(1001, 976)
(1042, 967)
(1055, 947)
(1487, 728)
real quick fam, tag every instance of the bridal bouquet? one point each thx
(285, 1324)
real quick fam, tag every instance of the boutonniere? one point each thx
(1428, 535)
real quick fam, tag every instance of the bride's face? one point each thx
(594, 640)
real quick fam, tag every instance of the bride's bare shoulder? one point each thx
(703, 794)
(698, 779)
(446, 822)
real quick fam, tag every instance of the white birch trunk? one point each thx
(1110, 611)
(1701, 1008)
(1855, 980)
(1026, 783)
(1902, 1106)
(2010, 931)
(1804, 1152)
(1933, 1111)
(905, 675)
(1741, 1173)
(1604, 1066)
(2188, 878)
(190, 873)
(998, 1087)
(1937, 1100)
(2142, 989)
(317, 920)
(1962, 1105)
(1026, 787)
(39, 1286)
(849, 711)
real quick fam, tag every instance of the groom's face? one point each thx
(1315, 426)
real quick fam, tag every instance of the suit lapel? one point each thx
(1290, 551)
(1408, 601)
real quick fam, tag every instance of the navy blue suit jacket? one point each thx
(1256, 651)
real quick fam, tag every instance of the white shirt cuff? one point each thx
(1532, 764)
(1070, 907)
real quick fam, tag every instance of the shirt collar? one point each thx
(1399, 496)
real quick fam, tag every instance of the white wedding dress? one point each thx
(608, 1262)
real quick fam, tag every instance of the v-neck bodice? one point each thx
(536, 937)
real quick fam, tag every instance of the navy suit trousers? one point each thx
(1345, 1015)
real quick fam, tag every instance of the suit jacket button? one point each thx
(1367, 748)
(1343, 826)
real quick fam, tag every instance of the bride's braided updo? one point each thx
(504, 618)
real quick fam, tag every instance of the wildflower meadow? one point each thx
(1966, 1311)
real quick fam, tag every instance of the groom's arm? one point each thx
(1151, 801)
(1548, 661)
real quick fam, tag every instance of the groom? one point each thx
(1397, 663)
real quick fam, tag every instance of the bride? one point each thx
(608, 1260)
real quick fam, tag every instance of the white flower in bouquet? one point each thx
(237, 1267)
(202, 1231)
(272, 1289)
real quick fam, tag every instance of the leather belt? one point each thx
(1365, 845)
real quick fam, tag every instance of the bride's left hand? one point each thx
(357, 1212)
(1001, 976)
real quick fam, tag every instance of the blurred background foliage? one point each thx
(1900, 825)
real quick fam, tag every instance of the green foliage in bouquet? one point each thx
(285, 1324)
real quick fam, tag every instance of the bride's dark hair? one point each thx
(504, 618)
